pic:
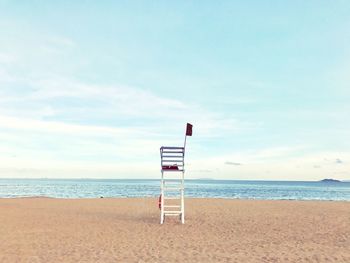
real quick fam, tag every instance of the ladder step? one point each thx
(171, 147)
(173, 188)
(171, 171)
(172, 198)
(172, 180)
(172, 212)
(172, 206)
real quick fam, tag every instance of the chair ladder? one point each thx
(172, 163)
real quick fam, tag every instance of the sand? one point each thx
(216, 230)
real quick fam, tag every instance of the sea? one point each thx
(230, 189)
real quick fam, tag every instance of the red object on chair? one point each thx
(170, 167)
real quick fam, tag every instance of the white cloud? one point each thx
(232, 163)
(57, 97)
(61, 41)
(56, 127)
(4, 77)
(34, 146)
(6, 58)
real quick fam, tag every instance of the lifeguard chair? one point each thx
(171, 200)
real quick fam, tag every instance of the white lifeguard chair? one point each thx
(171, 200)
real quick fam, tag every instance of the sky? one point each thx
(92, 89)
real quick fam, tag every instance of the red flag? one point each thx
(189, 129)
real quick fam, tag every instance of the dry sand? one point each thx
(216, 230)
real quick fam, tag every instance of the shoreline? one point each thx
(186, 198)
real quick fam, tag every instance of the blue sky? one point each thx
(93, 88)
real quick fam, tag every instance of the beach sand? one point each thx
(216, 230)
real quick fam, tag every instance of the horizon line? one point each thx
(202, 179)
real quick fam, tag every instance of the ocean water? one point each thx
(87, 188)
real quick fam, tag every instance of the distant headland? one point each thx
(330, 181)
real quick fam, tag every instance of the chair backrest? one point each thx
(172, 158)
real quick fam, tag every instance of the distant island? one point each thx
(330, 181)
